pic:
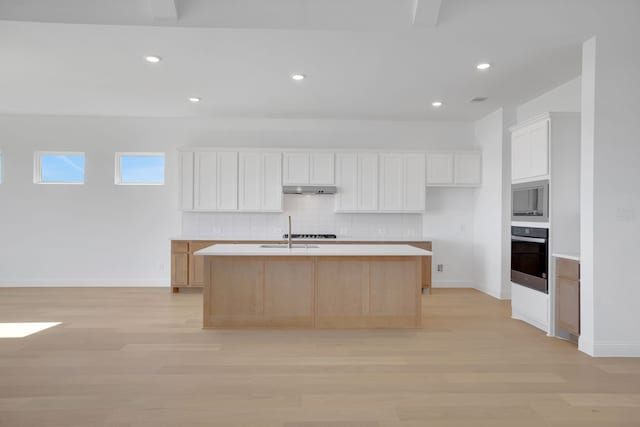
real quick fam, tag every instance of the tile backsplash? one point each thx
(310, 214)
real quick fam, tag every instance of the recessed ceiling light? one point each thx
(437, 104)
(298, 77)
(194, 99)
(483, 66)
(153, 59)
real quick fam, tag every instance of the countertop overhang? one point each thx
(318, 250)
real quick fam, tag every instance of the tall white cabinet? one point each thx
(402, 182)
(260, 181)
(357, 182)
(530, 151)
(215, 184)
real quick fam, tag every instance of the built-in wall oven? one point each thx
(529, 257)
(530, 201)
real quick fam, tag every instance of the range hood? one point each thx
(309, 189)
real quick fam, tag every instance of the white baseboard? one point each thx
(616, 349)
(451, 284)
(530, 320)
(76, 283)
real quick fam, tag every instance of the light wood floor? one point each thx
(137, 357)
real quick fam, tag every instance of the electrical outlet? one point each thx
(440, 268)
(162, 267)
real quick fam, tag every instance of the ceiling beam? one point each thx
(425, 13)
(163, 10)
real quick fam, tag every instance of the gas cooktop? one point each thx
(310, 236)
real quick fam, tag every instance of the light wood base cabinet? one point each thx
(312, 292)
(568, 295)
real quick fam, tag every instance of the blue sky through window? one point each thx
(62, 168)
(141, 169)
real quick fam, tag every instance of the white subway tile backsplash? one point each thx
(310, 214)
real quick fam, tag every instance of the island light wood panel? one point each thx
(307, 292)
(568, 295)
(258, 292)
(368, 292)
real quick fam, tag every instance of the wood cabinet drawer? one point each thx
(568, 269)
(179, 246)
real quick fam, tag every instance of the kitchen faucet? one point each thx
(289, 235)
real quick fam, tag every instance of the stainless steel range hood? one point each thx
(309, 189)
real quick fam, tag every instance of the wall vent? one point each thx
(479, 99)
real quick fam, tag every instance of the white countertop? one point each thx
(575, 257)
(320, 250)
(280, 239)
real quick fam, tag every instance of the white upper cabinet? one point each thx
(205, 181)
(215, 182)
(186, 180)
(530, 151)
(321, 169)
(467, 168)
(454, 169)
(414, 176)
(308, 168)
(346, 181)
(367, 182)
(402, 182)
(439, 168)
(260, 181)
(296, 169)
(357, 182)
(227, 181)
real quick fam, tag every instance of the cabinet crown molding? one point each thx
(544, 116)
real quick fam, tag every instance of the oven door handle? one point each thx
(528, 239)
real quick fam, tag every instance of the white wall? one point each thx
(564, 98)
(448, 222)
(610, 192)
(102, 234)
(492, 206)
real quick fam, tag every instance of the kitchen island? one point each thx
(312, 286)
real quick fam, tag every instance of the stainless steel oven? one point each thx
(530, 257)
(530, 201)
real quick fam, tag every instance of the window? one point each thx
(140, 168)
(58, 168)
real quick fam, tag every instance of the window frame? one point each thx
(37, 166)
(118, 167)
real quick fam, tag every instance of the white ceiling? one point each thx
(365, 59)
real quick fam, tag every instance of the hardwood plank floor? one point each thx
(138, 357)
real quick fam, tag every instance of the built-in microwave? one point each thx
(530, 201)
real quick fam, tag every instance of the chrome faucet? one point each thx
(289, 235)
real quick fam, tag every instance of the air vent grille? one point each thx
(479, 99)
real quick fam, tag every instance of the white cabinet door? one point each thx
(392, 186)
(347, 182)
(321, 169)
(530, 151)
(249, 181)
(272, 182)
(186, 180)
(539, 140)
(260, 181)
(205, 182)
(296, 168)
(468, 168)
(367, 182)
(439, 168)
(413, 183)
(227, 177)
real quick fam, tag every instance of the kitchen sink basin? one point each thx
(285, 246)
